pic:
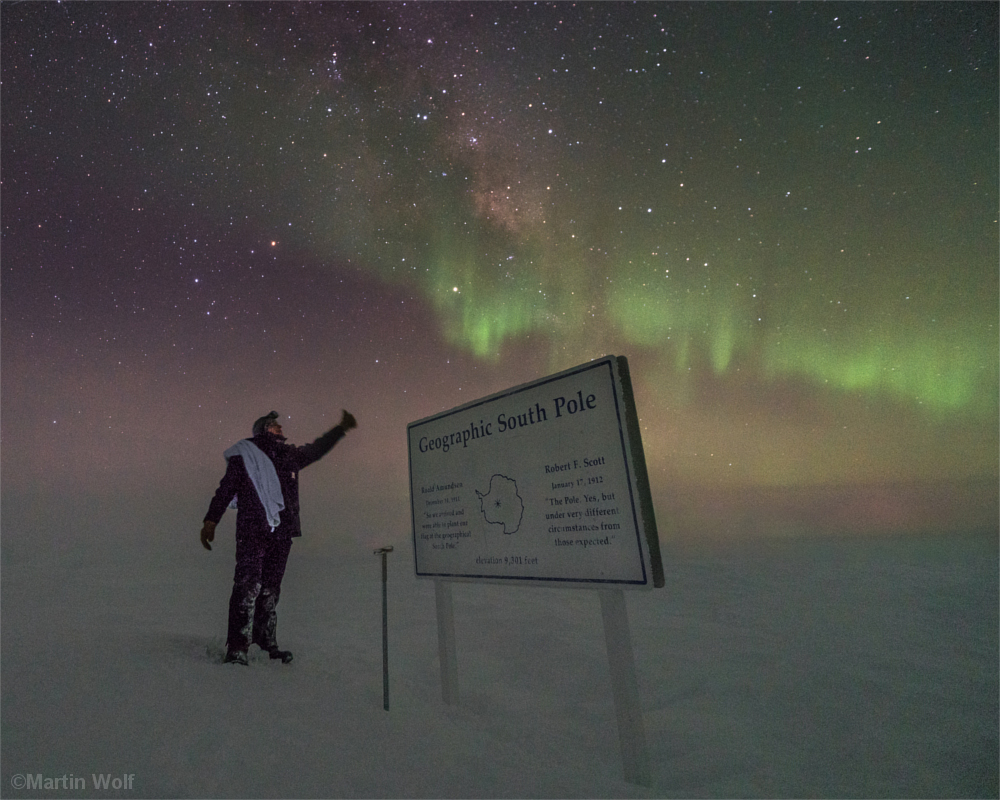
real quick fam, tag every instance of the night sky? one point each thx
(784, 215)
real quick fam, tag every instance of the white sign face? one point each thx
(533, 484)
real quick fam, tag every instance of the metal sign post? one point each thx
(383, 551)
(625, 687)
(446, 642)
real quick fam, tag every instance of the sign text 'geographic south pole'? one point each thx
(541, 483)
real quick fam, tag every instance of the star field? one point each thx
(784, 215)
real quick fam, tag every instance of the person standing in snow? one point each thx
(262, 481)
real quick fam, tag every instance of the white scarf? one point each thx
(263, 477)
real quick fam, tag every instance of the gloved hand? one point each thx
(207, 534)
(347, 421)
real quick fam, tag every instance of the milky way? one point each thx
(784, 215)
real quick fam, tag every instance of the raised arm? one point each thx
(314, 451)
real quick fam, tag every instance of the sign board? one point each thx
(544, 483)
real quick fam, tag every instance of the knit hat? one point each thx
(261, 424)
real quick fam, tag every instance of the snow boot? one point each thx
(284, 655)
(237, 657)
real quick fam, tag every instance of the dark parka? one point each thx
(288, 460)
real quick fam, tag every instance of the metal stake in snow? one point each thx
(383, 551)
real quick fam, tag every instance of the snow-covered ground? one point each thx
(808, 667)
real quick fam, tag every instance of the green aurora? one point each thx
(832, 230)
(784, 215)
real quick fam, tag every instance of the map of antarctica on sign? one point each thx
(502, 505)
(535, 484)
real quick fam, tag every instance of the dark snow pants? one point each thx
(260, 566)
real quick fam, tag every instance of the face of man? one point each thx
(274, 427)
